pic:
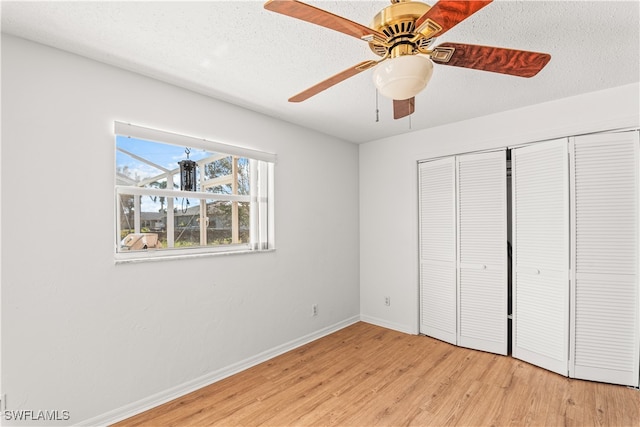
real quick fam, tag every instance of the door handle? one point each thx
(473, 266)
(526, 270)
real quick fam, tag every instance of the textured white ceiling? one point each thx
(238, 52)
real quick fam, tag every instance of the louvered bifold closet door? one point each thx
(540, 187)
(605, 324)
(437, 206)
(482, 251)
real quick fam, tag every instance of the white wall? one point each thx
(388, 186)
(82, 334)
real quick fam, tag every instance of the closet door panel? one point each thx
(437, 205)
(438, 301)
(541, 324)
(482, 251)
(483, 314)
(605, 344)
(541, 255)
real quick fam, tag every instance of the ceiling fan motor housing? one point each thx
(397, 22)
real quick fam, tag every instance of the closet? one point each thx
(573, 230)
(463, 250)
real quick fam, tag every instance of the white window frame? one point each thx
(261, 197)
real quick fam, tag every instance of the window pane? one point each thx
(152, 223)
(216, 171)
(220, 230)
(187, 223)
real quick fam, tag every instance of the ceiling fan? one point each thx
(401, 34)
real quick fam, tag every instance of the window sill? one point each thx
(169, 255)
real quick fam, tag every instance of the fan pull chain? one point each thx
(410, 121)
(377, 110)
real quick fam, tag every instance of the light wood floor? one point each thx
(365, 375)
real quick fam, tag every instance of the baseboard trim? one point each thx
(165, 396)
(389, 325)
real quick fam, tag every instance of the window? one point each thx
(179, 195)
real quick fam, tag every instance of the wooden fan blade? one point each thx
(403, 108)
(305, 12)
(446, 14)
(331, 81)
(519, 63)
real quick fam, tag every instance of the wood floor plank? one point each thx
(365, 375)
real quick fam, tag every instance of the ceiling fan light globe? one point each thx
(403, 77)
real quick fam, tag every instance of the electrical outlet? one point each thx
(314, 309)
(387, 301)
